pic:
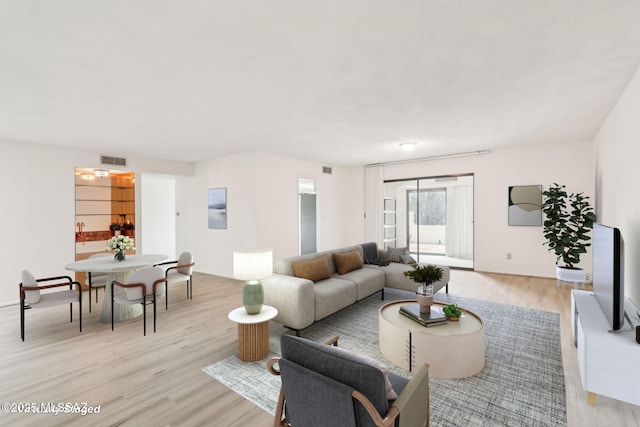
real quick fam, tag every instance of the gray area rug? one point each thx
(522, 383)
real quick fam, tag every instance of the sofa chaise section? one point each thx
(395, 279)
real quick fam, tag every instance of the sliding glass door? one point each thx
(426, 220)
(433, 218)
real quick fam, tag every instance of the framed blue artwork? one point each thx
(217, 208)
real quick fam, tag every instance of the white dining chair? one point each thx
(97, 279)
(31, 295)
(144, 287)
(180, 270)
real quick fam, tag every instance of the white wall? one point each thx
(38, 208)
(566, 163)
(38, 194)
(262, 207)
(617, 151)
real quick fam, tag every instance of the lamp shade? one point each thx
(252, 264)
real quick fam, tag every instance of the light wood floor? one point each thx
(158, 379)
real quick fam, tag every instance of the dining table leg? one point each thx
(120, 312)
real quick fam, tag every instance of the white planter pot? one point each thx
(571, 275)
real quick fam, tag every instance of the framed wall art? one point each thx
(525, 205)
(217, 208)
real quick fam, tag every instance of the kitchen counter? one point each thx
(90, 236)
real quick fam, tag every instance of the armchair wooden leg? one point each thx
(278, 421)
(144, 318)
(90, 297)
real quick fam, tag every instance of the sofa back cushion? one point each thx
(347, 261)
(314, 269)
(285, 265)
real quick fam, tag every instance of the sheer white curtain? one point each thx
(374, 199)
(459, 229)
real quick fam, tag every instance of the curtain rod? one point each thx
(445, 156)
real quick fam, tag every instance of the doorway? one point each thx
(104, 207)
(307, 214)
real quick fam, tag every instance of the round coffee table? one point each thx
(453, 350)
(253, 332)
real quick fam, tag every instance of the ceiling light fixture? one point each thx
(408, 146)
(87, 176)
(102, 173)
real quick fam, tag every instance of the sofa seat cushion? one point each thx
(332, 295)
(368, 281)
(315, 269)
(347, 261)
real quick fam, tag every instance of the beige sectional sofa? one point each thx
(310, 287)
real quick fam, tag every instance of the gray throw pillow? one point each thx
(394, 254)
(407, 259)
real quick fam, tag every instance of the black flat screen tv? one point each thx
(608, 273)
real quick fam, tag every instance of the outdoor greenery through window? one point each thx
(431, 208)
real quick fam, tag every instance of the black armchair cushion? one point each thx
(339, 366)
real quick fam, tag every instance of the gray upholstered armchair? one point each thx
(326, 385)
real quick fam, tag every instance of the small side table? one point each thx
(253, 332)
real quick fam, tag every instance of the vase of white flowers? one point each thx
(119, 245)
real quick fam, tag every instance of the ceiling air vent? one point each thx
(326, 169)
(109, 160)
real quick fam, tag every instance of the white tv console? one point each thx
(609, 361)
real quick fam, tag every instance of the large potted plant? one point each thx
(568, 220)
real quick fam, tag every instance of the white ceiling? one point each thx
(338, 81)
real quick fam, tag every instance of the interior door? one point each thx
(308, 237)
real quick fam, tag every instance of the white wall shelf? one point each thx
(390, 223)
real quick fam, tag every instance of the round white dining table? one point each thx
(118, 271)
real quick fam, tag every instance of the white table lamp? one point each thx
(252, 265)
